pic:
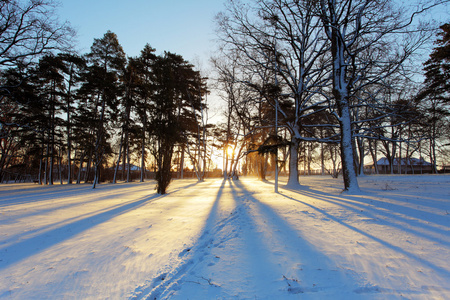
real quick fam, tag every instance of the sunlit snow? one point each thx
(224, 239)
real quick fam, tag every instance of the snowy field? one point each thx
(227, 240)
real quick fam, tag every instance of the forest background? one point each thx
(302, 85)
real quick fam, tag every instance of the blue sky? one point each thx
(179, 26)
(185, 27)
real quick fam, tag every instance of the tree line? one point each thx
(333, 77)
(299, 78)
(66, 111)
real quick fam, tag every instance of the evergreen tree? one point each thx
(23, 118)
(174, 82)
(435, 96)
(144, 64)
(102, 85)
(131, 82)
(73, 65)
(52, 86)
(437, 69)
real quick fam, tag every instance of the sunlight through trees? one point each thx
(305, 87)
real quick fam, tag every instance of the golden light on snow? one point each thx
(226, 238)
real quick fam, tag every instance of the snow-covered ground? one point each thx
(227, 240)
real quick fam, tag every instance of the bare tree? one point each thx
(29, 29)
(232, 92)
(281, 42)
(196, 141)
(353, 28)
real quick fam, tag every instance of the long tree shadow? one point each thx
(62, 197)
(25, 196)
(403, 217)
(360, 277)
(357, 208)
(262, 244)
(221, 230)
(298, 264)
(270, 255)
(88, 195)
(16, 252)
(164, 282)
(286, 247)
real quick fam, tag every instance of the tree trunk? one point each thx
(60, 168)
(82, 156)
(348, 169)
(98, 152)
(373, 153)
(96, 176)
(46, 163)
(164, 164)
(361, 150)
(341, 77)
(433, 149)
(225, 161)
(69, 136)
(143, 151)
(340, 93)
(182, 163)
(322, 160)
(41, 162)
(116, 170)
(124, 156)
(128, 162)
(399, 161)
(293, 163)
(88, 169)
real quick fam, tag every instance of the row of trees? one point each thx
(83, 112)
(299, 77)
(331, 72)
(74, 106)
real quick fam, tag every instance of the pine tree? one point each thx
(174, 82)
(73, 65)
(437, 69)
(144, 65)
(435, 96)
(102, 86)
(52, 85)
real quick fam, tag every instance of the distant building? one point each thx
(132, 168)
(403, 165)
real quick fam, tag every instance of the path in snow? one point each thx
(227, 240)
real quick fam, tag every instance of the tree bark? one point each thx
(293, 163)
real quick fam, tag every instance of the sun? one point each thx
(230, 151)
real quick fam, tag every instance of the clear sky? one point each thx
(185, 27)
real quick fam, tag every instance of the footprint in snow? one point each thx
(184, 252)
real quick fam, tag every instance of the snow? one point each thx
(223, 239)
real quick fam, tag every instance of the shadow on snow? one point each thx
(64, 230)
(373, 209)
